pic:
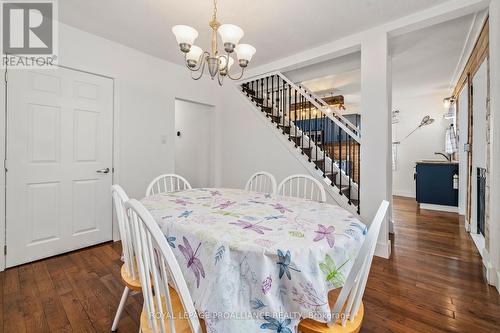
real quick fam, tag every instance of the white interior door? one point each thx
(59, 151)
(479, 144)
(194, 148)
(463, 133)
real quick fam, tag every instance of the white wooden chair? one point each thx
(302, 186)
(348, 311)
(156, 265)
(129, 270)
(167, 183)
(261, 182)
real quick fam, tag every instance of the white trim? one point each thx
(3, 126)
(450, 209)
(479, 241)
(492, 274)
(472, 37)
(391, 226)
(403, 193)
(383, 250)
(116, 148)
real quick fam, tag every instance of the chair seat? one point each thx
(132, 284)
(181, 324)
(312, 326)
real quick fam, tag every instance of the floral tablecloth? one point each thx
(265, 261)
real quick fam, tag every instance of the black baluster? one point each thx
(295, 117)
(255, 90)
(284, 107)
(272, 94)
(349, 166)
(289, 111)
(340, 158)
(309, 126)
(262, 90)
(359, 175)
(267, 91)
(324, 123)
(278, 106)
(316, 141)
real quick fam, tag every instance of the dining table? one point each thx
(265, 261)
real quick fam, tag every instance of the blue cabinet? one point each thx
(434, 183)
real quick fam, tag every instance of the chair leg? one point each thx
(119, 311)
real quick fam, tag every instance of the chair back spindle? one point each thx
(349, 301)
(261, 182)
(119, 198)
(302, 186)
(167, 183)
(156, 264)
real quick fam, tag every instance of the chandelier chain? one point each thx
(214, 17)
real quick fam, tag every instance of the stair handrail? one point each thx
(325, 105)
(333, 116)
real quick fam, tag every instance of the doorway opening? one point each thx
(194, 142)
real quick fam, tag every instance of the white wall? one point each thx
(493, 240)
(145, 91)
(463, 138)
(249, 144)
(422, 144)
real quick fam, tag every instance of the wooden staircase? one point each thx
(327, 140)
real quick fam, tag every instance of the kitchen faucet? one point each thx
(448, 157)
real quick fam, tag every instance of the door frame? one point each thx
(213, 149)
(3, 144)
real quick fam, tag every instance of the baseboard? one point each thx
(391, 226)
(450, 209)
(492, 274)
(401, 193)
(383, 250)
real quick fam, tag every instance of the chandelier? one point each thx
(218, 63)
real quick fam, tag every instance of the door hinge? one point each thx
(5, 249)
(6, 76)
(5, 165)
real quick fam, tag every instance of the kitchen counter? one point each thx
(436, 162)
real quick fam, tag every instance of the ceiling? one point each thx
(423, 62)
(276, 28)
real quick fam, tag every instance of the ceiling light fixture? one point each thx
(447, 102)
(218, 64)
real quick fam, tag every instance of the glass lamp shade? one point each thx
(185, 34)
(222, 63)
(193, 56)
(245, 53)
(230, 34)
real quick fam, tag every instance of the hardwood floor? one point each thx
(433, 283)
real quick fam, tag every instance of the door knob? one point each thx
(105, 170)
